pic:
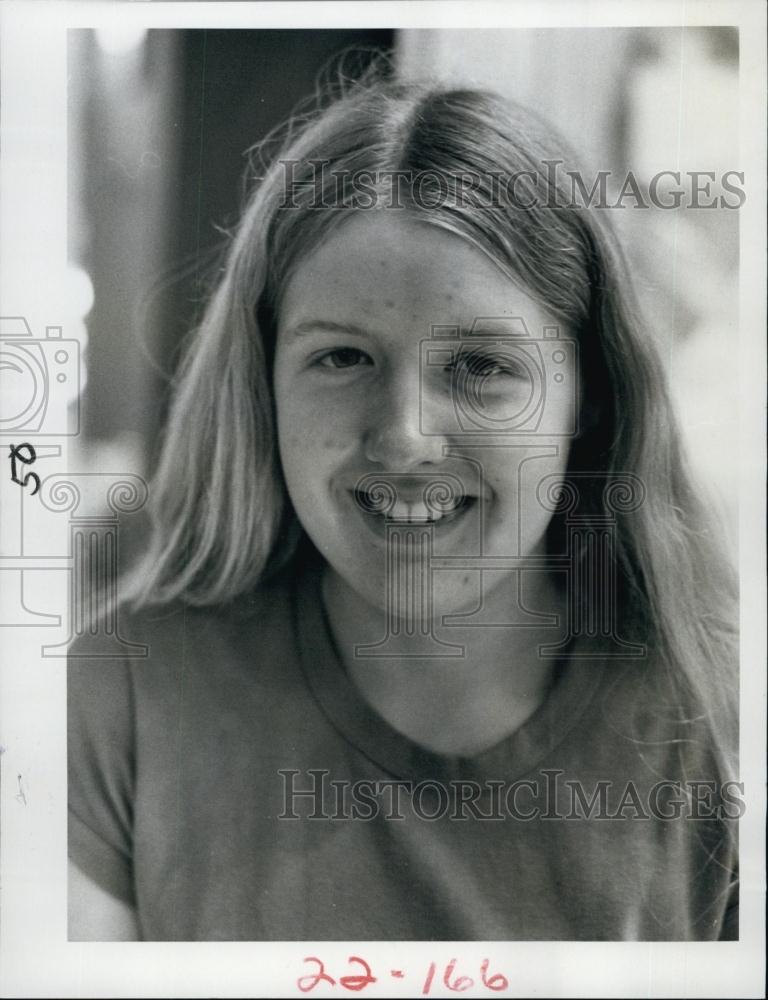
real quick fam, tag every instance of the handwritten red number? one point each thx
(458, 985)
(497, 982)
(358, 982)
(428, 981)
(307, 983)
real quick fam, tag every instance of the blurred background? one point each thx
(160, 123)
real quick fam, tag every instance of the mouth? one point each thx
(414, 510)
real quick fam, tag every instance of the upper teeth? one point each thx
(418, 512)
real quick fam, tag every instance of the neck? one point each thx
(480, 685)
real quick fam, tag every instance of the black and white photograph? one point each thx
(382, 583)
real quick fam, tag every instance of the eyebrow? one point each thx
(325, 326)
(501, 326)
(490, 327)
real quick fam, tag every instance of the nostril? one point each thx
(398, 441)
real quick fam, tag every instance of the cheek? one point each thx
(520, 483)
(517, 471)
(294, 442)
(315, 421)
(311, 439)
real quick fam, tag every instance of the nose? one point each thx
(400, 434)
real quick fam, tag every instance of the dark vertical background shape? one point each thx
(159, 140)
(156, 209)
(236, 87)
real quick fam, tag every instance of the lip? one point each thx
(377, 524)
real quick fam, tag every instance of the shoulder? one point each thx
(150, 648)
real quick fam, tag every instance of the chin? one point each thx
(413, 600)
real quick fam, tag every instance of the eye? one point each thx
(478, 364)
(343, 357)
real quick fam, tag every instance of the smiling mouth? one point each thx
(413, 511)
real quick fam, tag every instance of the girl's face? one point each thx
(369, 388)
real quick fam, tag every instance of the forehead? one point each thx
(388, 264)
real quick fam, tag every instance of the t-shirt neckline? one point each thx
(575, 684)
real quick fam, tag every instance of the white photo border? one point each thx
(35, 957)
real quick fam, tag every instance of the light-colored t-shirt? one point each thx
(234, 785)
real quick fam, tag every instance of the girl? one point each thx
(441, 643)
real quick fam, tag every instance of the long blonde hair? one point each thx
(221, 517)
